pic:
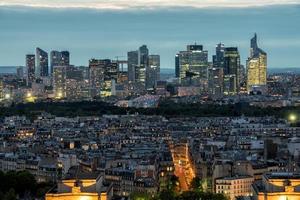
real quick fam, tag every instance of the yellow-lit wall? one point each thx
(279, 196)
(73, 196)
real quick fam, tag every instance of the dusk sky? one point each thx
(105, 29)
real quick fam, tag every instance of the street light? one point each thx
(292, 117)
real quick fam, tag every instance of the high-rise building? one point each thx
(215, 82)
(177, 66)
(55, 58)
(41, 68)
(59, 58)
(132, 59)
(256, 66)
(65, 58)
(59, 81)
(1, 90)
(30, 66)
(153, 71)
(143, 62)
(192, 64)
(232, 69)
(218, 59)
(20, 72)
(103, 75)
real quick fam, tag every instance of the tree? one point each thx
(10, 195)
(139, 196)
(196, 184)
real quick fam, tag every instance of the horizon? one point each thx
(98, 33)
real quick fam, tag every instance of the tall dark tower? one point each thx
(30, 66)
(41, 68)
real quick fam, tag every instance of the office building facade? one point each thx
(256, 67)
(41, 68)
(232, 70)
(30, 66)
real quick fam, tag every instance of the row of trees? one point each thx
(21, 184)
(165, 108)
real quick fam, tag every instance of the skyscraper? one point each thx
(59, 81)
(30, 66)
(1, 89)
(41, 68)
(177, 66)
(218, 59)
(143, 62)
(256, 66)
(132, 62)
(103, 74)
(192, 64)
(59, 58)
(215, 82)
(232, 69)
(55, 60)
(153, 71)
(65, 58)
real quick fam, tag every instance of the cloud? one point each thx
(145, 4)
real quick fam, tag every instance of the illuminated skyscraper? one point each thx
(153, 71)
(59, 81)
(192, 64)
(215, 82)
(218, 59)
(103, 75)
(132, 59)
(65, 58)
(1, 90)
(231, 70)
(256, 67)
(30, 66)
(41, 68)
(58, 58)
(55, 57)
(143, 62)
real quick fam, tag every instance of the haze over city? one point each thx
(111, 28)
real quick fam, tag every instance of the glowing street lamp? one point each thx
(7, 96)
(292, 117)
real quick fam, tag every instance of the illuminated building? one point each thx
(143, 62)
(30, 66)
(215, 82)
(132, 59)
(25, 132)
(232, 70)
(59, 81)
(191, 65)
(277, 186)
(229, 84)
(65, 58)
(177, 66)
(1, 90)
(77, 83)
(103, 74)
(58, 58)
(233, 187)
(41, 67)
(81, 186)
(218, 59)
(256, 66)
(153, 71)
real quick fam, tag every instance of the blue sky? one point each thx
(109, 30)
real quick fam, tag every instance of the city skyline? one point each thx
(88, 33)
